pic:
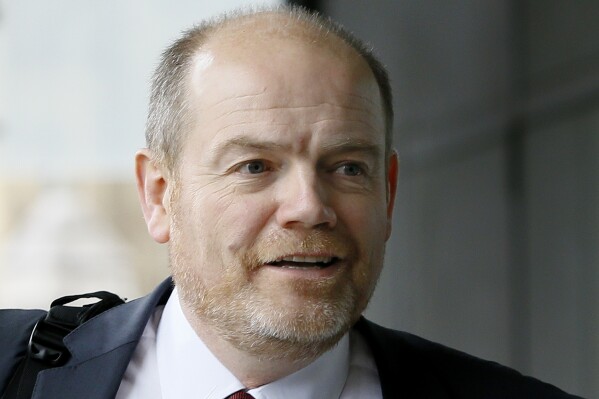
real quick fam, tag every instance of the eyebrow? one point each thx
(352, 145)
(341, 146)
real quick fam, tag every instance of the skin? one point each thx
(286, 157)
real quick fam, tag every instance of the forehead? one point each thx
(262, 76)
(275, 48)
(286, 72)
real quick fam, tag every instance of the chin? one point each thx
(302, 330)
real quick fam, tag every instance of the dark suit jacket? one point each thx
(408, 366)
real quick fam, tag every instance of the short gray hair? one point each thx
(168, 115)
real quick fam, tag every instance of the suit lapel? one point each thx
(100, 351)
(403, 372)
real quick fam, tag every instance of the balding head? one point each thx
(240, 35)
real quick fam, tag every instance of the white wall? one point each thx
(74, 84)
(74, 78)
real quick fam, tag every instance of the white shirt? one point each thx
(172, 362)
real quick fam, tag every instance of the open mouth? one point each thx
(303, 262)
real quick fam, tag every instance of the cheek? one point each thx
(365, 218)
(237, 221)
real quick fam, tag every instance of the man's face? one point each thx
(282, 205)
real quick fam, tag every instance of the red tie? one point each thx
(240, 395)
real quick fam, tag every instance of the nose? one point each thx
(302, 202)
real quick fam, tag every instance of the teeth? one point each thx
(307, 259)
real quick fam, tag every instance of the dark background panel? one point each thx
(495, 246)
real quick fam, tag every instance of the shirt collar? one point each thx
(188, 369)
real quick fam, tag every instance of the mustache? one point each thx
(277, 245)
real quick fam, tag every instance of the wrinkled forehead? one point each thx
(253, 56)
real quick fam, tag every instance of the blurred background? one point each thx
(496, 233)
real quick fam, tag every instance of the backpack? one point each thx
(46, 348)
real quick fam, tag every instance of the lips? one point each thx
(303, 262)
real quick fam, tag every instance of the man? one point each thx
(270, 173)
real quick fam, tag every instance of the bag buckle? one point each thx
(46, 345)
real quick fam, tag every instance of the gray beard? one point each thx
(258, 328)
(255, 323)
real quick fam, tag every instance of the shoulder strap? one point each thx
(46, 348)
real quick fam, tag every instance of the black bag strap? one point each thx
(46, 348)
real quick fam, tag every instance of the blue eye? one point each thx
(350, 169)
(253, 167)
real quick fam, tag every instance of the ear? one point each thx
(392, 177)
(152, 185)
